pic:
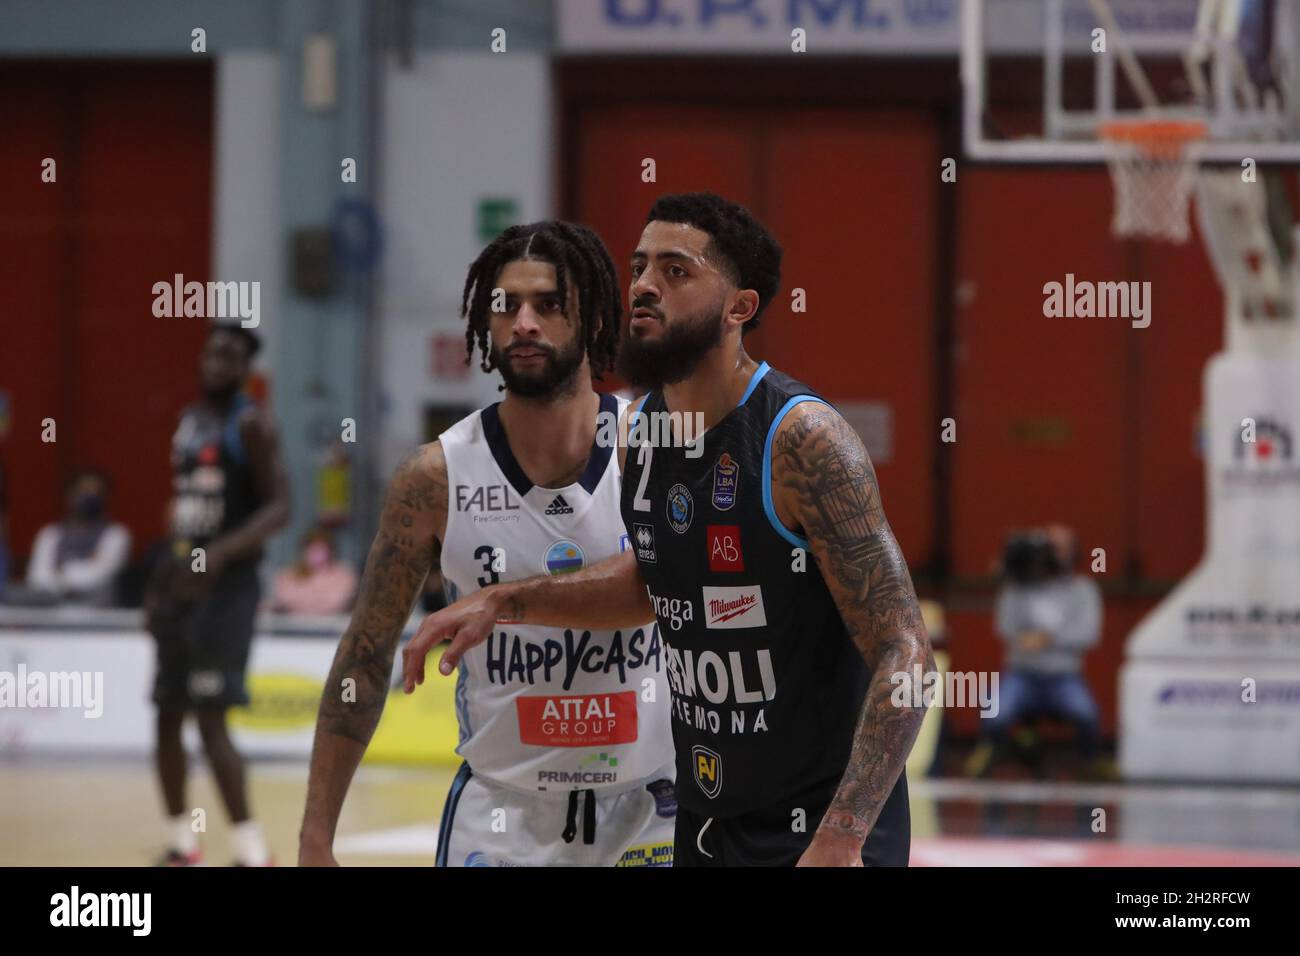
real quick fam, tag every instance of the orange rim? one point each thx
(1163, 138)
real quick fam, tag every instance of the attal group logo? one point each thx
(581, 720)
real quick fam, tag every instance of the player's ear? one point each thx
(743, 306)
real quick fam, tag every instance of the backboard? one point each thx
(1041, 78)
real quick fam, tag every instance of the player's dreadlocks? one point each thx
(578, 255)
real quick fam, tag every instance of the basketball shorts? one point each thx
(203, 645)
(484, 824)
(777, 835)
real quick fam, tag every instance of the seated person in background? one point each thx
(79, 558)
(1047, 616)
(317, 583)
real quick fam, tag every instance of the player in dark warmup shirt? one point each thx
(780, 590)
(230, 493)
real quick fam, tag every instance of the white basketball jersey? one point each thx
(545, 708)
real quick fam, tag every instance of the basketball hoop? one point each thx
(1154, 173)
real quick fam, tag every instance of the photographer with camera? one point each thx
(1048, 616)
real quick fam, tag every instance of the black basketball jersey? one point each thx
(766, 684)
(213, 486)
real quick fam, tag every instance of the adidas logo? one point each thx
(559, 507)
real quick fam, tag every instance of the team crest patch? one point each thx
(707, 768)
(563, 557)
(726, 476)
(679, 508)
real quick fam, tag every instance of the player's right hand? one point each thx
(467, 623)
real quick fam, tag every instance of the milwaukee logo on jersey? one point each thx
(734, 607)
(559, 507)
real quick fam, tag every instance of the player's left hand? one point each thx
(829, 849)
(192, 585)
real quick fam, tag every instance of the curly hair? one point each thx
(743, 247)
(579, 256)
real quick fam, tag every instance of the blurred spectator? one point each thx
(1048, 617)
(317, 583)
(79, 558)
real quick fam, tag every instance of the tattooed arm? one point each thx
(824, 484)
(405, 548)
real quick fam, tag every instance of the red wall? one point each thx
(131, 207)
(1086, 421)
(865, 257)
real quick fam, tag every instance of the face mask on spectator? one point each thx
(90, 506)
(317, 555)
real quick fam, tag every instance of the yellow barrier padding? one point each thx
(420, 728)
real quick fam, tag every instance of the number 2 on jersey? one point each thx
(639, 501)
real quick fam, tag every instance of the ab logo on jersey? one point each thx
(725, 476)
(708, 770)
(724, 548)
(563, 557)
(679, 508)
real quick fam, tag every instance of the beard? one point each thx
(557, 375)
(674, 354)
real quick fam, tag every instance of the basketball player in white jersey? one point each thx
(565, 733)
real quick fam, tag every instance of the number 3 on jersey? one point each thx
(639, 501)
(494, 563)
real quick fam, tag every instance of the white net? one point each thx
(1154, 176)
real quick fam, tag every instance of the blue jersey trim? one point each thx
(768, 509)
(449, 812)
(230, 436)
(753, 382)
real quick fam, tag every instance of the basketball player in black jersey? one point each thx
(230, 493)
(779, 588)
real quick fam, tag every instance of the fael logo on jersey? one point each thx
(724, 548)
(707, 766)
